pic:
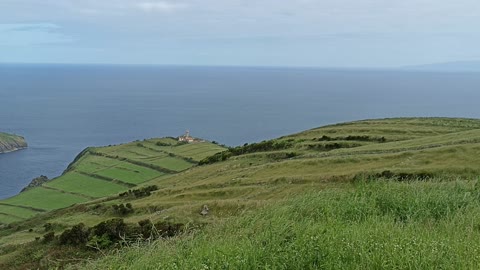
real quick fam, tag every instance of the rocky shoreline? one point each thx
(36, 182)
(11, 143)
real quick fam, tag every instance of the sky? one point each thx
(319, 33)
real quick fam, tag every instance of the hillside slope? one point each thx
(103, 171)
(369, 225)
(410, 153)
(9, 143)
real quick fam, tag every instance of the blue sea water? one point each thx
(61, 109)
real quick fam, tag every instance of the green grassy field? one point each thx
(41, 198)
(102, 172)
(20, 213)
(5, 137)
(81, 184)
(374, 194)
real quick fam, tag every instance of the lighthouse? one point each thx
(186, 137)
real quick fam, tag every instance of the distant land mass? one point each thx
(10, 143)
(456, 66)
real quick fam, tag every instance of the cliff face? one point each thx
(9, 143)
(36, 182)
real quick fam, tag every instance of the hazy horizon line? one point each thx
(366, 68)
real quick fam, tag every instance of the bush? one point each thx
(77, 235)
(109, 233)
(146, 228)
(162, 144)
(100, 242)
(272, 145)
(48, 237)
(165, 229)
(48, 227)
(122, 209)
(141, 192)
(398, 176)
(363, 138)
(113, 230)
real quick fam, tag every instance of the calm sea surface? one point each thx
(63, 109)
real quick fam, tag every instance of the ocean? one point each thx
(62, 109)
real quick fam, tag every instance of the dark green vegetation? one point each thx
(393, 193)
(9, 143)
(36, 182)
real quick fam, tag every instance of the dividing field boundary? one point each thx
(135, 162)
(108, 179)
(394, 150)
(69, 192)
(24, 207)
(10, 215)
(171, 154)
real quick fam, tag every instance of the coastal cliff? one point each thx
(10, 143)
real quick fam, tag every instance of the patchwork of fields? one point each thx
(416, 162)
(105, 171)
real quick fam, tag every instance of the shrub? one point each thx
(146, 228)
(122, 209)
(100, 242)
(77, 235)
(272, 145)
(48, 237)
(48, 227)
(114, 230)
(162, 144)
(139, 193)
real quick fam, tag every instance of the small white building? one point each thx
(186, 138)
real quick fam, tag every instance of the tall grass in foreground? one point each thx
(373, 225)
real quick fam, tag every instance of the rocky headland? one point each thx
(10, 143)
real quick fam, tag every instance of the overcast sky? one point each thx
(326, 33)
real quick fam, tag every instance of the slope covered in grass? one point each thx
(102, 172)
(366, 225)
(409, 156)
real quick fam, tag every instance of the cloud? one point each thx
(7, 27)
(27, 34)
(160, 6)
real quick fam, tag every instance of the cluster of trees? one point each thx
(222, 156)
(351, 138)
(264, 146)
(281, 155)
(108, 233)
(328, 146)
(398, 176)
(139, 193)
(162, 144)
